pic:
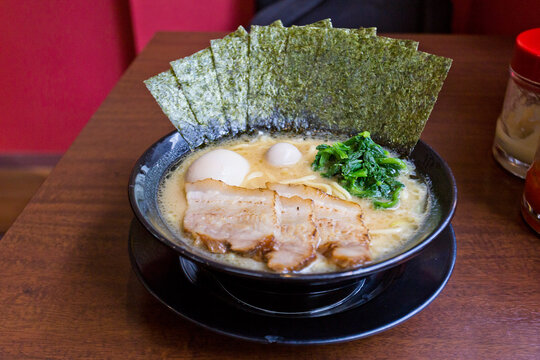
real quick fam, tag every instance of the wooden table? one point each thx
(67, 289)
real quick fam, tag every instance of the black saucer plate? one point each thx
(421, 280)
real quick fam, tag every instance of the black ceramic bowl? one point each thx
(258, 289)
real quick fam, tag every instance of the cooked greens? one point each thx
(363, 168)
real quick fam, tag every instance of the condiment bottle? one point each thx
(530, 204)
(518, 126)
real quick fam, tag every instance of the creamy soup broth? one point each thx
(389, 229)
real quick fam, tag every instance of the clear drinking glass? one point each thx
(518, 126)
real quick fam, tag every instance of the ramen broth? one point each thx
(389, 229)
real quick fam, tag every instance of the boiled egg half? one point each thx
(283, 154)
(221, 164)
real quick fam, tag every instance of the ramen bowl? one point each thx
(290, 294)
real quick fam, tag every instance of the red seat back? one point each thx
(150, 16)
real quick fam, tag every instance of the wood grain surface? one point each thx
(67, 290)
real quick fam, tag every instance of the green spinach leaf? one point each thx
(362, 167)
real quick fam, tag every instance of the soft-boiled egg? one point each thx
(283, 154)
(224, 165)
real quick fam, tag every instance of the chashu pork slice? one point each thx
(227, 217)
(342, 236)
(295, 246)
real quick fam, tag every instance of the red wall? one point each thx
(149, 16)
(58, 61)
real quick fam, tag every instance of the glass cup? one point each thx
(530, 203)
(518, 126)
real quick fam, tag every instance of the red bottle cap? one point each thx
(526, 60)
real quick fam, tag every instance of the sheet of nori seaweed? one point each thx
(392, 89)
(325, 103)
(266, 44)
(403, 86)
(197, 77)
(231, 65)
(325, 23)
(364, 32)
(377, 84)
(302, 48)
(410, 44)
(165, 89)
(372, 31)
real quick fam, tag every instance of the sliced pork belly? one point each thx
(342, 236)
(227, 217)
(295, 246)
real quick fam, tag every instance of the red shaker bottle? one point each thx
(530, 204)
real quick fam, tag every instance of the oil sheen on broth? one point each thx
(389, 229)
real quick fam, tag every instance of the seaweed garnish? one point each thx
(302, 47)
(197, 77)
(325, 103)
(393, 91)
(307, 79)
(368, 83)
(165, 89)
(231, 64)
(266, 43)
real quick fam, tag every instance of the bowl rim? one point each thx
(290, 277)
